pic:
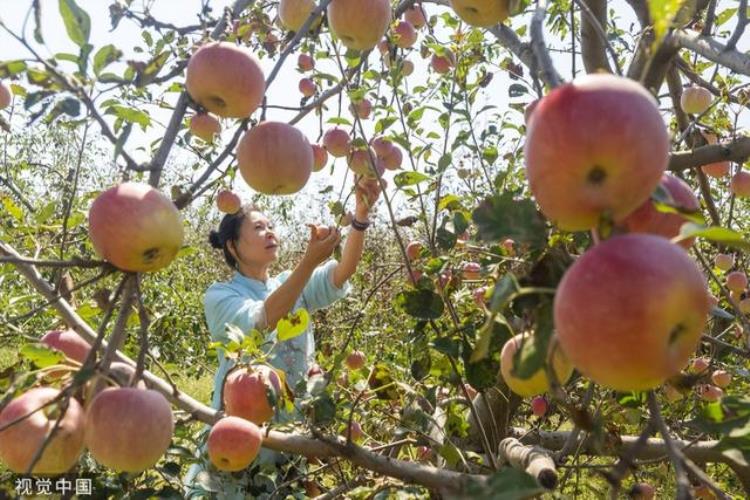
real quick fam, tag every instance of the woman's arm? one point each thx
(282, 300)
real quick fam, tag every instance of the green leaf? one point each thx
(713, 233)
(77, 22)
(41, 355)
(448, 346)
(420, 304)
(131, 115)
(105, 56)
(292, 325)
(663, 12)
(532, 357)
(508, 484)
(502, 216)
(410, 178)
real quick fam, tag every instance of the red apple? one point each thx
(360, 161)
(381, 145)
(128, 429)
(630, 311)
(393, 160)
(5, 96)
(414, 250)
(538, 382)
(246, 393)
(314, 370)
(337, 142)
(205, 126)
(442, 64)
(508, 245)
(424, 453)
(383, 47)
(539, 406)
(471, 270)
(355, 431)
(709, 393)
(699, 365)
(404, 35)
(361, 109)
(305, 62)
(647, 219)
(740, 184)
(695, 100)
(481, 12)
(416, 16)
(583, 164)
(721, 378)
(642, 491)
(307, 87)
(275, 158)
(233, 443)
(415, 276)
(320, 156)
(355, 360)
(226, 79)
(228, 202)
(359, 24)
(736, 281)
(20, 442)
(294, 13)
(724, 261)
(713, 300)
(135, 227)
(444, 278)
(407, 67)
(718, 169)
(68, 342)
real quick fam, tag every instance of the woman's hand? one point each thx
(320, 249)
(366, 192)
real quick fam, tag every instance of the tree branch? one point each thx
(712, 50)
(593, 38)
(737, 151)
(549, 74)
(533, 459)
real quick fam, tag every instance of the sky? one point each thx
(283, 92)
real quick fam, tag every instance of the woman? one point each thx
(253, 299)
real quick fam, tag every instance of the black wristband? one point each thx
(359, 226)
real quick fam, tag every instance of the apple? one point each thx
(355, 431)
(394, 159)
(128, 429)
(424, 453)
(538, 382)
(721, 378)
(442, 64)
(480, 296)
(630, 311)
(226, 79)
(481, 12)
(5, 96)
(717, 169)
(315, 370)
(414, 250)
(359, 24)
(355, 360)
(305, 62)
(381, 145)
(415, 15)
(642, 491)
(695, 100)
(740, 184)
(713, 300)
(415, 276)
(228, 202)
(383, 47)
(444, 278)
(539, 406)
(699, 365)
(346, 219)
(471, 270)
(320, 157)
(233, 443)
(251, 393)
(470, 391)
(529, 110)
(736, 296)
(68, 342)
(647, 219)
(736, 281)
(337, 142)
(294, 13)
(361, 109)
(583, 164)
(508, 245)
(360, 161)
(407, 67)
(724, 261)
(404, 35)
(135, 227)
(275, 158)
(672, 393)
(205, 126)
(307, 87)
(710, 393)
(20, 442)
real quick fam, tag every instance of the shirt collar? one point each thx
(250, 283)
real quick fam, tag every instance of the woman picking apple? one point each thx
(253, 299)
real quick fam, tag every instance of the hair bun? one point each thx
(215, 240)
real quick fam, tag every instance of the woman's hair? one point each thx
(229, 230)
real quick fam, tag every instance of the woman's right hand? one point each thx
(320, 249)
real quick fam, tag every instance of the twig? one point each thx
(549, 74)
(74, 262)
(675, 455)
(741, 25)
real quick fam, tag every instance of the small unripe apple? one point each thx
(307, 87)
(337, 142)
(695, 100)
(205, 126)
(383, 47)
(699, 365)
(740, 184)
(709, 393)
(508, 245)
(724, 261)
(414, 250)
(305, 62)
(320, 156)
(233, 443)
(407, 67)
(5, 96)
(538, 382)
(228, 202)
(404, 35)
(360, 161)
(471, 270)
(355, 431)
(355, 360)
(642, 491)
(717, 169)
(443, 64)
(736, 281)
(415, 15)
(444, 278)
(539, 406)
(721, 378)
(361, 109)
(713, 300)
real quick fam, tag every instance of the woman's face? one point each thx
(258, 243)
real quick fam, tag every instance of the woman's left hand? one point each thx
(367, 191)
